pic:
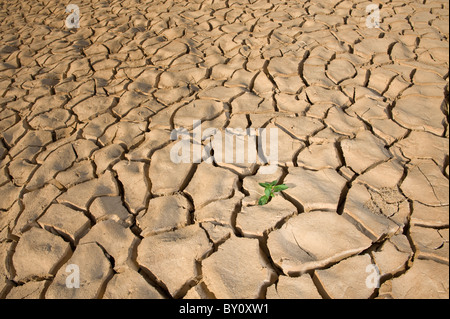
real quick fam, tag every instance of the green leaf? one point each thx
(263, 200)
(274, 183)
(268, 192)
(279, 188)
(265, 185)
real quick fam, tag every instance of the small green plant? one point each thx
(269, 191)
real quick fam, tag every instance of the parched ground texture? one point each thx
(87, 183)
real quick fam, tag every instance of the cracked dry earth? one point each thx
(86, 177)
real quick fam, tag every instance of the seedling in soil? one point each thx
(269, 191)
